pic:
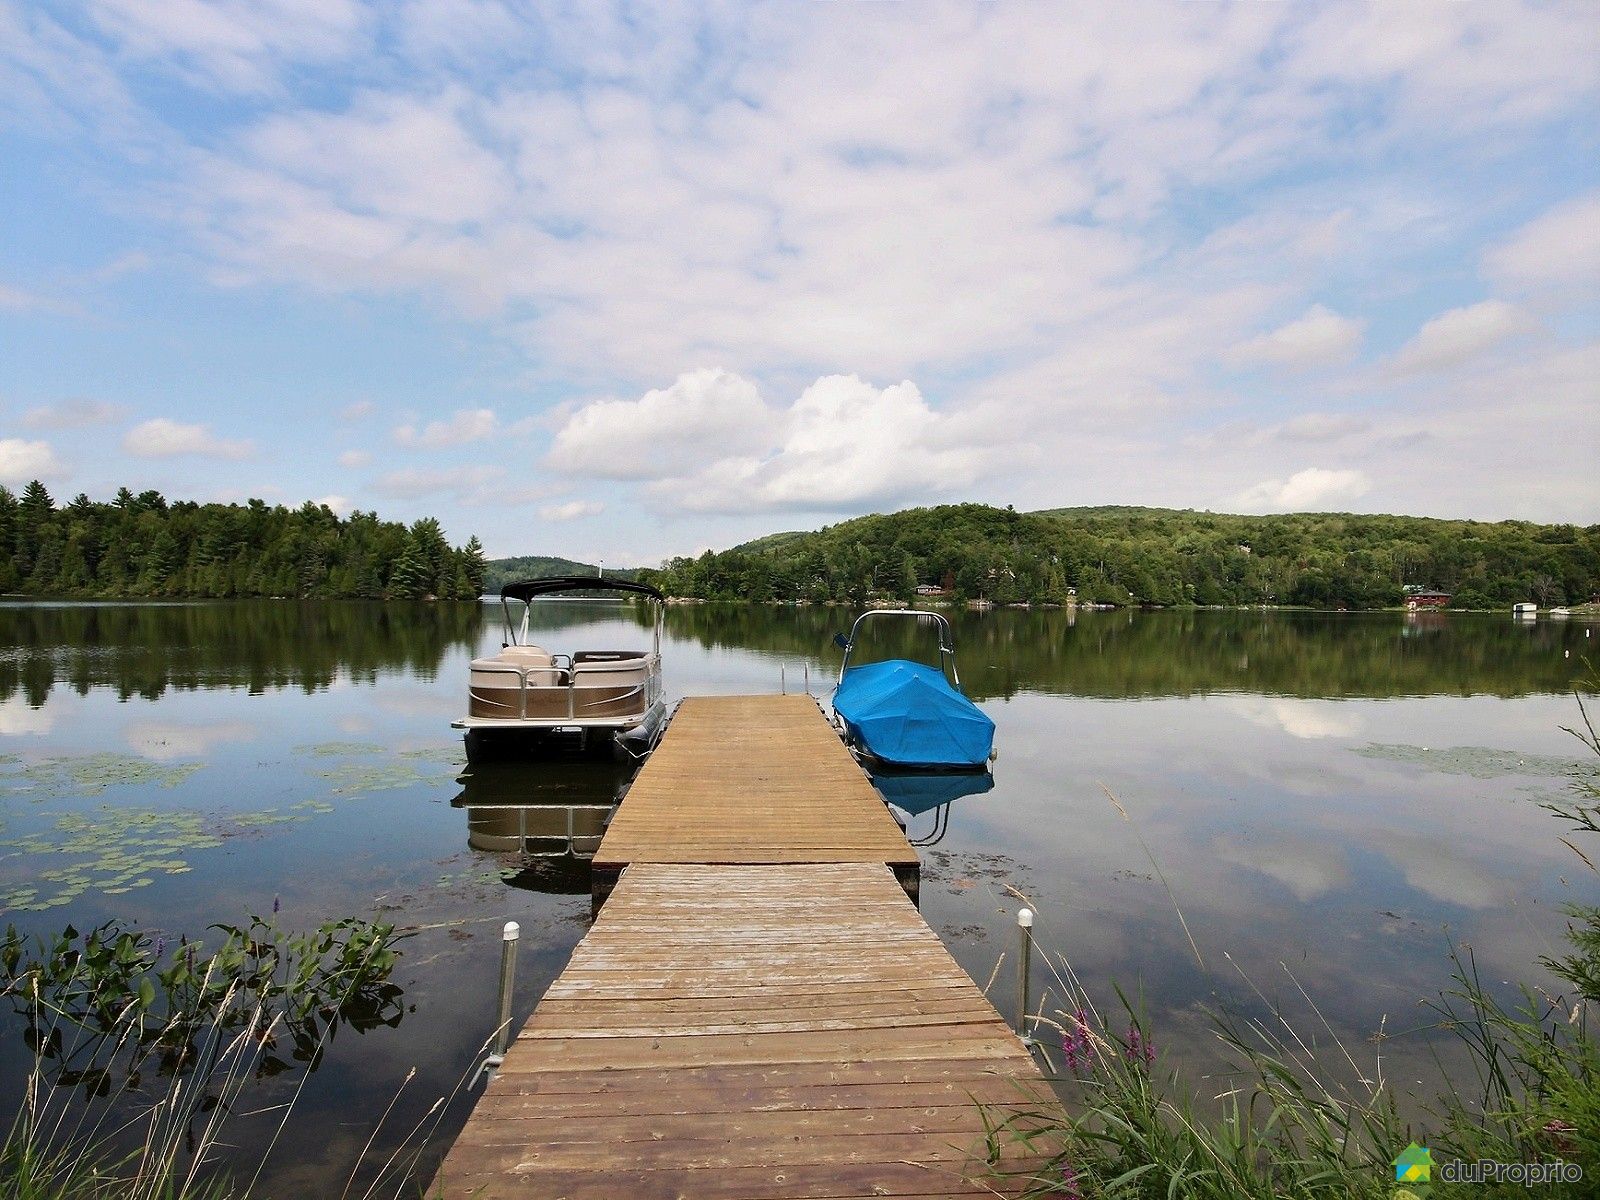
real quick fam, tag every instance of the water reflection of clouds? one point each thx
(164, 741)
(19, 718)
(1309, 869)
(1299, 718)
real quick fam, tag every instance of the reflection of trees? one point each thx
(1180, 653)
(144, 649)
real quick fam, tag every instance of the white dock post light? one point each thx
(508, 975)
(1024, 949)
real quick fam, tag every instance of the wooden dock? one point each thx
(757, 1017)
(752, 779)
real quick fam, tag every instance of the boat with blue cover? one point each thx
(906, 713)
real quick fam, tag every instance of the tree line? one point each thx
(1162, 557)
(143, 546)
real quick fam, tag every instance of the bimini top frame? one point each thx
(947, 640)
(528, 590)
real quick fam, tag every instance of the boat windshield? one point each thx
(906, 617)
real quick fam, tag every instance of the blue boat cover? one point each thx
(907, 713)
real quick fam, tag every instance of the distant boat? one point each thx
(908, 714)
(1561, 613)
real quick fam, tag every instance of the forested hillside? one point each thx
(1153, 556)
(137, 546)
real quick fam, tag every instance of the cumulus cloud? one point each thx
(22, 461)
(341, 505)
(163, 437)
(355, 458)
(1561, 247)
(710, 443)
(464, 425)
(1320, 337)
(705, 412)
(572, 510)
(1460, 335)
(1312, 488)
(73, 413)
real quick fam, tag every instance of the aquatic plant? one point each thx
(162, 1039)
(95, 999)
(1294, 1125)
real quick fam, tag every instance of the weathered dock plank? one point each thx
(752, 779)
(788, 1031)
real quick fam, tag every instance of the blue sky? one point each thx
(623, 282)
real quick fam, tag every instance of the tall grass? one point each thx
(1305, 1117)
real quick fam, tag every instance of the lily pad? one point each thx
(1480, 762)
(351, 779)
(91, 774)
(341, 749)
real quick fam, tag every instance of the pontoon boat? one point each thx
(527, 697)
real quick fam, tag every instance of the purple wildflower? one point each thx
(1140, 1047)
(1069, 1183)
(161, 945)
(275, 904)
(1075, 1045)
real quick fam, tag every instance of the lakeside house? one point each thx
(1418, 596)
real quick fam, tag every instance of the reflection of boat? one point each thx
(917, 792)
(908, 714)
(1560, 613)
(552, 816)
(527, 695)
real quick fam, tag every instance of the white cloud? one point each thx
(355, 458)
(22, 461)
(1321, 427)
(465, 425)
(72, 413)
(341, 505)
(709, 412)
(1457, 336)
(234, 45)
(572, 510)
(163, 437)
(464, 483)
(1304, 491)
(20, 300)
(717, 447)
(1316, 339)
(1561, 247)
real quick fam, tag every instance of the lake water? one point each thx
(1327, 799)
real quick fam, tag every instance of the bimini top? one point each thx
(527, 589)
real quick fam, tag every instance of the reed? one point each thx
(1304, 1117)
(141, 1056)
